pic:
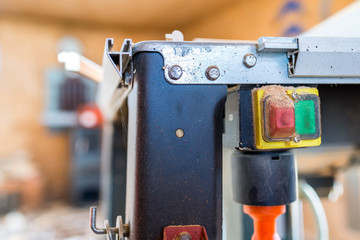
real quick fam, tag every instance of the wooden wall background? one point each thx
(28, 48)
(29, 35)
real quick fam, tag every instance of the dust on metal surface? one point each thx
(276, 63)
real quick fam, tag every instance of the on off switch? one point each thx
(286, 117)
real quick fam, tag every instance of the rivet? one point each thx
(180, 133)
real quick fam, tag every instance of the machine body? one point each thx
(176, 93)
(173, 179)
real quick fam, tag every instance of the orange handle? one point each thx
(264, 221)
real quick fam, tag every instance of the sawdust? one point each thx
(274, 94)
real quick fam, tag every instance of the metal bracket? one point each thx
(118, 75)
(120, 61)
(277, 44)
(121, 230)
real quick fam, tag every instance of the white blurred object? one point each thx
(336, 192)
(308, 193)
(176, 35)
(15, 222)
(88, 119)
(70, 50)
(17, 166)
(74, 62)
(345, 23)
(71, 60)
(70, 44)
(55, 222)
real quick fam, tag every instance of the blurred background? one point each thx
(49, 158)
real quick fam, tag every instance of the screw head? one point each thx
(294, 95)
(296, 139)
(249, 60)
(184, 236)
(175, 72)
(212, 73)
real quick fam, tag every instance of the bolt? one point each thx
(294, 95)
(184, 236)
(296, 139)
(175, 72)
(212, 73)
(249, 60)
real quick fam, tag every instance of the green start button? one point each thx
(307, 116)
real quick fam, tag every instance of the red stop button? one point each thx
(281, 121)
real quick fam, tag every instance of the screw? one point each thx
(249, 60)
(175, 72)
(294, 95)
(184, 236)
(296, 139)
(212, 73)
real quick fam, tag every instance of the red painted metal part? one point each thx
(196, 232)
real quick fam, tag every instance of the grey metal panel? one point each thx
(232, 121)
(328, 57)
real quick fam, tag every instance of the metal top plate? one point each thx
(195, 57)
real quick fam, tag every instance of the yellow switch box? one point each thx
(306, 106)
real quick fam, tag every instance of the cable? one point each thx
(308, 193)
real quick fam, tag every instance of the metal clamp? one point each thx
(118, 75)
(121, 230)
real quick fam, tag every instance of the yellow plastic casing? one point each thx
(260, 142)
